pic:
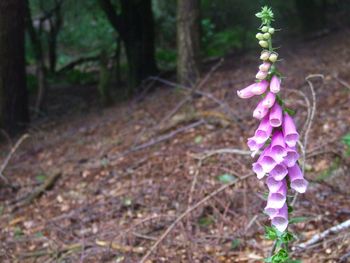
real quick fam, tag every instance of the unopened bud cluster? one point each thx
(265, 35)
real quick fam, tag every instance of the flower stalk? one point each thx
(275, 140)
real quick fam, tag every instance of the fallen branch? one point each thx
(321, 236)
(9, 156)
(73, 64)
(189, 210)
(210, 153)
(121, 248)
(48, 184)
(80, 246)
(155, 141)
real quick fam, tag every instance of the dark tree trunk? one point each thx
(39, 57)
(13, 92)
(135, 26)
(312, 14)
(138, 36)
(188, 41)
(55, 26)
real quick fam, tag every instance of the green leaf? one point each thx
(270, 233)
(235, 243)
(226, 178)
(287, 237)
(346, 139)
(293, 261)
(300, 219)
(280, 257)
(18, 232)
(198, 139)
(290, 209)
(40, 178)
(290, 111)
(205, 221)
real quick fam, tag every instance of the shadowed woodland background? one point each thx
(118, 116)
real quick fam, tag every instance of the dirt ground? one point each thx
(138, 180)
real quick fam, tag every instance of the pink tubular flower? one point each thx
(291, 157)
(258, 168)
(275, 84)
(260, 87)
(269, 100)
(280, 219)
(267, 162)
(297, 181)
(254, 145)
(273, 184)
(279, 172)
(277, 199)
(278, 146)
(264, 130)
(260, 111)
(247, 92)
(290, 133)
(276, 115)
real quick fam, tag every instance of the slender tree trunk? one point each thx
(39, 57)
(55, 27)
(13, 91)
(311, 15)
(188, 41)
(135, 26)
(138, 36)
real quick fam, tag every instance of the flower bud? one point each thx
(271, 30)
(264, 66)
(264, 29)
(267, 36)
(273, 57)
(261, 75)
(263, 43)
(259, 36)
(265, 55)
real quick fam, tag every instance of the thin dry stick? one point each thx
(210, 96)
(189, 210)
(309, 124)
(343, 82)
(9, 156)
(188, 98)
(210, 153)
(319, 237)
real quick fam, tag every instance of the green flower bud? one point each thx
(259, 36)
(271, 30)
(264, 29)
(265, 55)
(267, 36)
(263, 43)
(273, 57)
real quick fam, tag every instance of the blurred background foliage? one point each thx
(227, 27)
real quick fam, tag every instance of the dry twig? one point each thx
(189, 210)
(9, 156)
(333, 230)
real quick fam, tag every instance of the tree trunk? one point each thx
(138, 36)
(39, 57)
(13, 91)
(55, 26)
(310, 14)
(135, 26)
(188, 41)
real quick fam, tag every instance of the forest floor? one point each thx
(142, 180)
